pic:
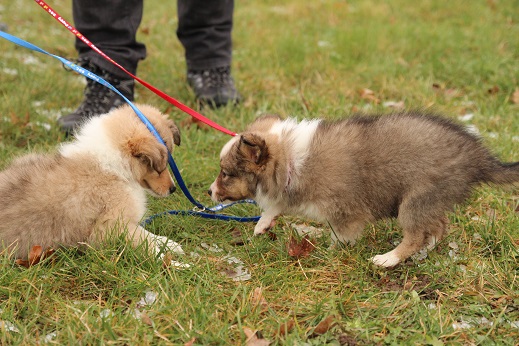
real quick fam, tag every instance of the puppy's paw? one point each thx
(164, 244)
(263, 226)
(386, 260)
(431, 242)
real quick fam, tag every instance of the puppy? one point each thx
(411, 166)
(93, 185)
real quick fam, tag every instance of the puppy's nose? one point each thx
(209, 192)
(172, 189)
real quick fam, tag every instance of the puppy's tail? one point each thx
(503, 173)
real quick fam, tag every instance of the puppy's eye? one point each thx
(226, 175)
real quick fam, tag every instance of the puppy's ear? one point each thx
(263, 123)
(254, 148)
(175, 131)
(150, 152)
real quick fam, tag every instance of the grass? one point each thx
(308, 59)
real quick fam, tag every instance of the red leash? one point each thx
(160, 93)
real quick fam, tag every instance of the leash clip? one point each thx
(197, 209)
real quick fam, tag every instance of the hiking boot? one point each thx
(98, 98)
(213, 87)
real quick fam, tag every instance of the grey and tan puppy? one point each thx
(412, 166)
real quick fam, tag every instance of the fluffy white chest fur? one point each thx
(93, 140)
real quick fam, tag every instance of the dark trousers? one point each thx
(204, 29)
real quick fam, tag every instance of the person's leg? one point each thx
(204, 29)
(111, 26)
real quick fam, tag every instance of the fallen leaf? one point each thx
(494, 90)
(36, 255)
(286, 328)
(346, 340)
(408, 285)
(146, 319)
(300, 249)
(23, 263)
(167, 259)
(8, 326)
(238, 273)
(368, 94)
(257, 299)
(18, 121)
(515, 97)
(324, 325)
(303, 230)
(253, 339)
(451, 93)
(448, 93)
(237, 237)
(190, 342)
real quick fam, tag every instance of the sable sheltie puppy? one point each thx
(92, 185)
(412, 166)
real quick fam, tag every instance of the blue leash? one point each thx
(200, 209)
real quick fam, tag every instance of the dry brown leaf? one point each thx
(300, 249)
(18, 121)
(257, 299)
(190, 342)
(36, 255)
(167, 260)
(253, 339)
(347, 340)
(368, 94)
(448, 93)
(494, 90)
(286, 328)
(452, 93)
(23, 263)
(146, 319)
(324, 325)
(515, 97)
(237, 237)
